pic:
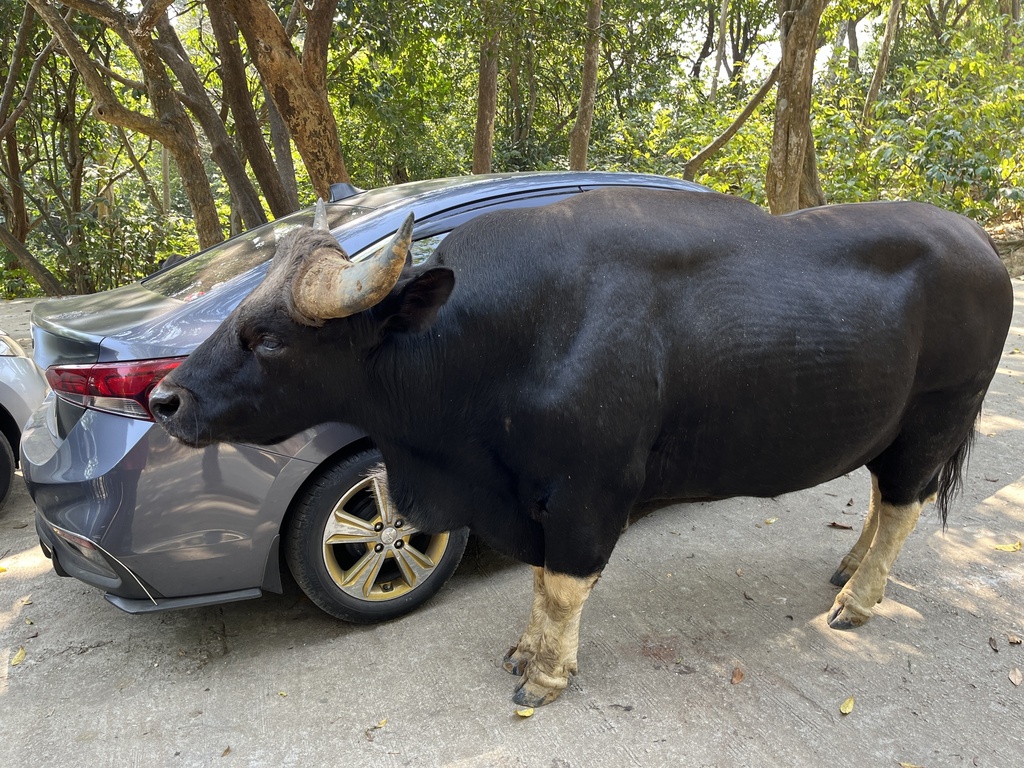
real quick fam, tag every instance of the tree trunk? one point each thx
(282, 142)
(1010, 9)
(579, 136)
(13, 198)
(854, 45)
(247, 125)
(165, 177)
(792, 151)
(222, 149)
(8, 114)
(171, 126)
(47, 281)
(486, 104)
(707, 47)
(883, 60)
(296, 87)
(720, 55)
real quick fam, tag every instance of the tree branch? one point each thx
(98, 10)
(960, 12)
(694, 163)
(107, 106)
(30, 84)
(154, 198)
(47, 280)
(17, 55)
(149, 16)
(136, 84)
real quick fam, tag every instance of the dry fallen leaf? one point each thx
(524, 711)
(847, 706)
(771, 520)
(226, 752)
(841, 525)
(1013, 640)
(281, 693)
(1015, 547)
(369, 731)
(910, 765)
(993, 644)
(20, 657)
(737, 676)
(2, 569)
(1016, 677)
(29, 621)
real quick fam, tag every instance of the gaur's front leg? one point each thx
(520, 654)
(581, 519)
(546, 653)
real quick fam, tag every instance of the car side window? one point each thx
(425, 245)
(421, 248)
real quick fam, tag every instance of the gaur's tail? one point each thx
(951, 478)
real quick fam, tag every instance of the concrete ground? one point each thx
(692, 594)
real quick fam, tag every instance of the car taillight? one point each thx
(121, 388)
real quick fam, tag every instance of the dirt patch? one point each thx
(1009, 240)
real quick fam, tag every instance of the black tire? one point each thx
(365, 575)
(6, 469)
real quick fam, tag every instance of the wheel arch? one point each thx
(276, 567)
(12, 431)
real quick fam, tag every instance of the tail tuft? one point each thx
(951, 479)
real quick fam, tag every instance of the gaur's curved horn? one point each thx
(333, 287)
(320, 216)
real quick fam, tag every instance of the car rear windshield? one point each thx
(215, 266)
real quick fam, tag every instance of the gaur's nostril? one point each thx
(164, 403)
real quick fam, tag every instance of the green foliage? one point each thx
(947, 127)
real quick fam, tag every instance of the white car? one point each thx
(22, 389)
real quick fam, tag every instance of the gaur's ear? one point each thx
(414, 304)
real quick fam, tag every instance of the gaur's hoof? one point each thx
(530, 694)
(840, 577)
(846, 615)
(514, 663)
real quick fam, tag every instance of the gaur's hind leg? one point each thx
(866, 586)
(852, 561)
(926, 458)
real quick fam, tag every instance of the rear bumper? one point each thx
(129, 605)
(75, 555)
(122, 588)
(155, 524)
(123, 508)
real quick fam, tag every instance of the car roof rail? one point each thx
(341, 190)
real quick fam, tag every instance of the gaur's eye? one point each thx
(266, 344)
